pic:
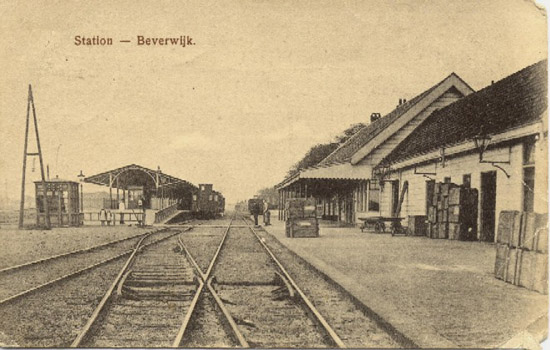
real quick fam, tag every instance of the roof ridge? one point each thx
(514, 101)
(403, 108)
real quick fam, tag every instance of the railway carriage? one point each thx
(207, 203)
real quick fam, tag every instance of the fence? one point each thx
(163, 214)
(118, 218)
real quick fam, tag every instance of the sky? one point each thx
(264, 82)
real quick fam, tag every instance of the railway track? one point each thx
(49, 314)
(218, 284)
(22, 279)
(259, 304)
(145, 301)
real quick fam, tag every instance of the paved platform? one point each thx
(438, 293)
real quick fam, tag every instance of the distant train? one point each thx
(207, 203)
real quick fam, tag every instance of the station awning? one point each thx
(340, 171)
(136, 175)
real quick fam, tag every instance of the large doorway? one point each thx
(488, 205)
(430, 189)
(394, 197)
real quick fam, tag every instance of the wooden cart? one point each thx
(379, 224)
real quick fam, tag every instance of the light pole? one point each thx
(81, 178)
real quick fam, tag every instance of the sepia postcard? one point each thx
(274, 174)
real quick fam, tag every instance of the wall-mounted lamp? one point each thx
(482, 141)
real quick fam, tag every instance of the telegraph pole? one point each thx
(30, 102)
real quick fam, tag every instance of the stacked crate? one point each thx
(301, 218)
(452, 212)
(462, 213)
(522, 250)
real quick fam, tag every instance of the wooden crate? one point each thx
(446, 187)
(302, 227)
(417, 225)
(462, 232)
(300, 208)
(443, 215)
(528, 229)
(533, 271)
(509, 227)
(501, 260)
(542, 233)
(442, 230)
(432, 214)
(512, 275)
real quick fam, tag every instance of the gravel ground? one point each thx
(266, 322)
(243, 260)
(20, 246)
(25, 278)
(152, 315)
(202, 243)
(208, 326)
(354, 327)
(54, 316)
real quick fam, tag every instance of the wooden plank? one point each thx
(501, 261)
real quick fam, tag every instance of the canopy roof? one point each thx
(342, 171)
(136, 175)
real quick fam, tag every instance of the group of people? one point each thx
(266, 215)
(105, 216)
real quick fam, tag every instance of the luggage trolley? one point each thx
(379, 224)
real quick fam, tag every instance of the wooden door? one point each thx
(488, 205)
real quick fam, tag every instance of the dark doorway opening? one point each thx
(430, 189)
(394, 197)
(488, 205)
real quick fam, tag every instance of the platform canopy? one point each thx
(136, 175)
(342, 172)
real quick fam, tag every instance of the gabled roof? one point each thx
(517, 100)
(345, 151)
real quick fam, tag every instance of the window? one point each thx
(447, 180)
(210, 198)
(374, 196)
(467, 180)
(529, 152)
(216, 198)
(195, 197)
(528, 188)
(529, 175)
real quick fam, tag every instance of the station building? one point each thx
(344, 183)
(492, 140)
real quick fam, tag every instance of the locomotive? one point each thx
(207, 203)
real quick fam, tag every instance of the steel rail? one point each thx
(69, 275)
(333, 335)
(206, 280)
(97, 311)
(64, 277)
(83, 250)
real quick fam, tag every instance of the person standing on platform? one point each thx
(267, 214)
(142, 209)
(102, 216)
(121, 209)
(109, 218)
